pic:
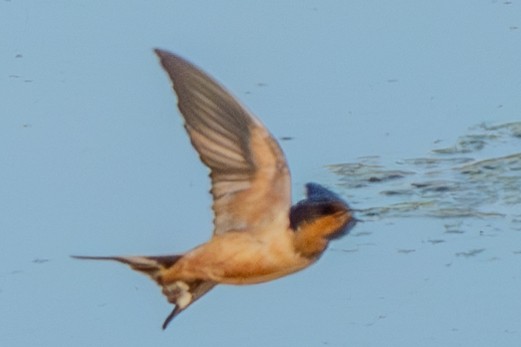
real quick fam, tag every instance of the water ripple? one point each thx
(451, 182)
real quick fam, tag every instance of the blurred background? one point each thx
(409, 109)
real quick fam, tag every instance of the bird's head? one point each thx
(321, 217)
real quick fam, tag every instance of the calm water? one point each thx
(409, 110)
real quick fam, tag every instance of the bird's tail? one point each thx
(150, 266)
(181, 293)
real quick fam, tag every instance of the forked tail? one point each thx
(150, 266)
(181, 293)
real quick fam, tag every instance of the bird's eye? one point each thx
(332, 208)
(328, 209)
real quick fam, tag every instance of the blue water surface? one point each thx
(408, 109)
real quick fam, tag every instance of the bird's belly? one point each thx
(257, 275)
(244, 261)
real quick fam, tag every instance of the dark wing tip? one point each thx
(159, 51)
(162, 53)
(170, 61)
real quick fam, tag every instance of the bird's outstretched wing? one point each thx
(250, 177)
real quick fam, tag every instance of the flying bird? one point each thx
(258, 235)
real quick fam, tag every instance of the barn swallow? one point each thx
(258, 236)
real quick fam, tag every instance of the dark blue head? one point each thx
(320, 202)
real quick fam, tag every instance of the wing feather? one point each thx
(250, 177)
